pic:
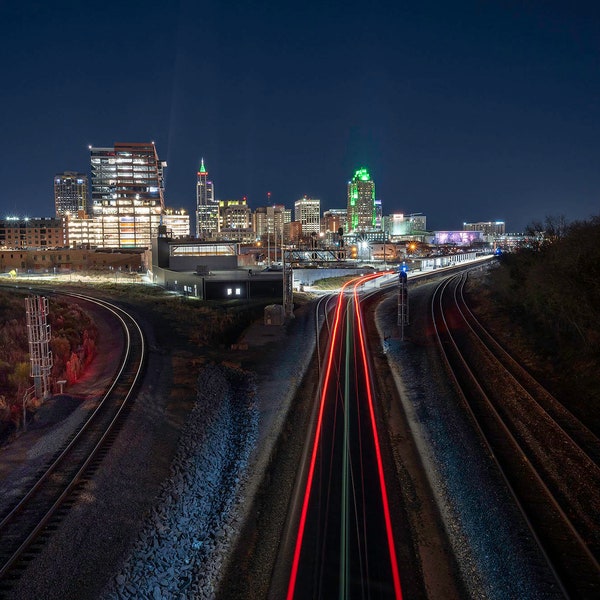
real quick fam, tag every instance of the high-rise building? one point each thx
(362, 211)
(70, 193)
(269, 221)
(177, 223)
(207, 208)
(127, 193)
(308, 212)
(234, 214)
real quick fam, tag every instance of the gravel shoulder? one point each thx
(467, 539)
(98, 533)
(491, 551)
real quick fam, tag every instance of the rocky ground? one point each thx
(164, 502)
(155, 524)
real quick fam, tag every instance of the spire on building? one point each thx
(202, 170)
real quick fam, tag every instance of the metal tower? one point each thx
(402, 300)
(39, 344)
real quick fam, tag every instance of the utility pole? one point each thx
(402, 300)
(288, 287)
(269, 227)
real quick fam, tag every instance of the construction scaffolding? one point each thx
(39, 345)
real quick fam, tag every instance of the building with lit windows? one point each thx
(235, 221)
(33, 233)
(333, 219)
(269, 222)
(234, 214)
(362, 211)
(488, 228)
(207, 208)
(177, 223)
(127, 193)
(70, 193)
(399, 226)
(308, 212)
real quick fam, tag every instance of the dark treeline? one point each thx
(556, 284)
(552, 291)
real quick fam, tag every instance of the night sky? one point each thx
(464, 111)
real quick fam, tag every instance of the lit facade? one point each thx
(398, 225)
(127, 193)
(70, 193)
(33, 233)
(177, 223)
(269, 221)
(56, 260)
(207, 208)
(234, 214)
(333, 219)
(84, 231)
(235, 221)
(492, 228)
(362, 211)
(308, 212)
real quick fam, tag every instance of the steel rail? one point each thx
(79, 438)
(499, 421)
(573, 429)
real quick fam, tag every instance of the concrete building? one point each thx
(488, 228)
(33, 233)
(61, 260)
(127, 193)
(399, 226)
(211, 271)
(70, 193)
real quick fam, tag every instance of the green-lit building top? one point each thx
(361, 202)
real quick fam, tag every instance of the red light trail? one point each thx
(335, 344)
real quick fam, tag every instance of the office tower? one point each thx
(70, 193)
(207, 208)
(177, 223)
(308, 212)
(127, 193)
(362, 212)
(269, 221)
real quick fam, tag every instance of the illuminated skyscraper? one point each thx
(70, 193)
(207, 208)
(127, 193)
(362, 211)
(308, 212)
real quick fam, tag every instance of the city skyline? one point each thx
(463, 112)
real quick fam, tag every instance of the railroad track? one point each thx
(547, 457)
(24, 529)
